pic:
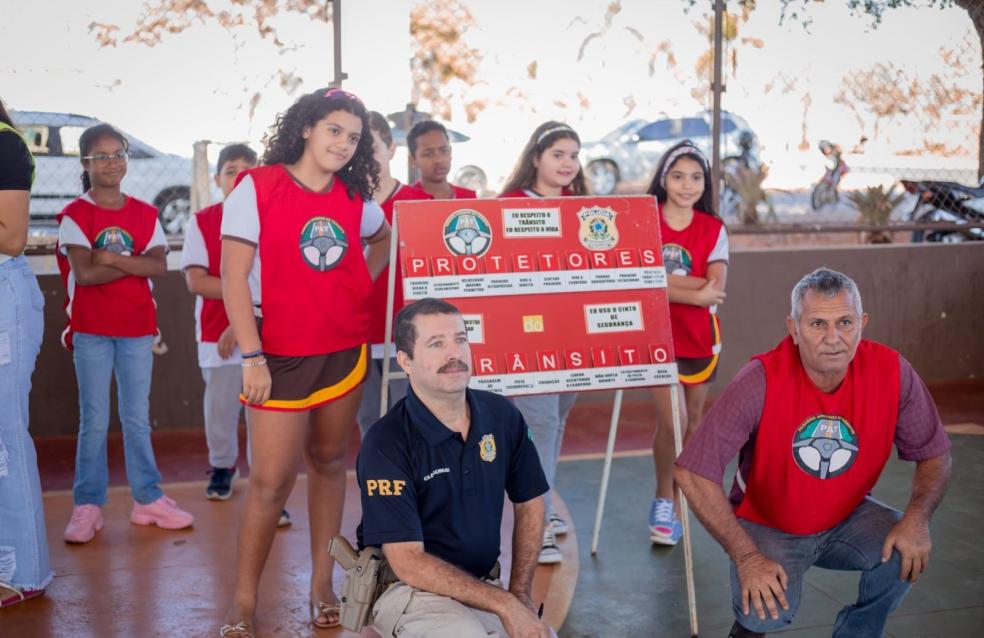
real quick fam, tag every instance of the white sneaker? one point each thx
(558, 525)
(549, 552)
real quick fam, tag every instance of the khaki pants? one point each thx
(405, 612)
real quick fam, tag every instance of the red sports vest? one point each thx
(121, 308)
(315, 284)
(685, 252)
(213, 320)
(817, 455)
(377, 302)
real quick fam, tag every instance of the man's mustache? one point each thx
(454, 365)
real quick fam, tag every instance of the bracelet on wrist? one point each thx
(252, 355)
(254, 363)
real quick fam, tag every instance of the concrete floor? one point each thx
(632, 588)
(135, 581)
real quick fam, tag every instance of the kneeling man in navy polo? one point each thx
(814, 421)
(433, 474)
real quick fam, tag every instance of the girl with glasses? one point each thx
(109, 247)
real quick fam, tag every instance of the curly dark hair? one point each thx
(285, 141)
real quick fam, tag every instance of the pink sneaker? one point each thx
(86, 521)
(163, 512)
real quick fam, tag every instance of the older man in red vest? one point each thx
(814, 421)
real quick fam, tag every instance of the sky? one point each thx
(198, 84)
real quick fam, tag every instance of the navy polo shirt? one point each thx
(420, 481)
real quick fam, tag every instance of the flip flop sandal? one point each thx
(18, 595)
(240, 630)
(327, 610)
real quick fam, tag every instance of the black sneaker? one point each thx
(220, 484)
(737, 631)
(284, 519)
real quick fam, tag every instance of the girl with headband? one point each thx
(296, 289)
(548, 167)
(695, 253)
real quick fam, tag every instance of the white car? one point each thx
(159, 178)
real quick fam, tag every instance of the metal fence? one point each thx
(902, 99)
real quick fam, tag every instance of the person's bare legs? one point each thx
(277, 439)
(664, 452)
(324, 453)
(695, 396)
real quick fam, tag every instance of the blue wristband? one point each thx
(252, 355)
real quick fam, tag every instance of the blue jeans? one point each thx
(854, 545)
(23, 541)
(97, 357)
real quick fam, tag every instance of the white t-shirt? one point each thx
(241, 219)
(195, 253)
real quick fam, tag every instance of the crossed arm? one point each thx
(700, 291)
(426, 572)
(94, 267)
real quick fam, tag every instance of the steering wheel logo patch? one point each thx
(825, 446)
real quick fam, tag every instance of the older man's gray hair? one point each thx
(826, 282)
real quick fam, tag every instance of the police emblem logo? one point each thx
(486, 448)
(323, 243)
(598, 230)
(677, 260)
(825, 446)
(115, 240)
(467, 232)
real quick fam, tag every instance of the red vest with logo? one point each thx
(314, 279)
(377, 303)
(816, 454)
(121, 308)
(685, 252)
(213, 320)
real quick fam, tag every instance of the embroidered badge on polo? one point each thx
(825, 446)
(486, 448)
(115, 240)
(323, 243)
(677, 260)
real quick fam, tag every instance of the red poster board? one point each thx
(559, 295)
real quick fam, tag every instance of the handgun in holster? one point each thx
(367, 575)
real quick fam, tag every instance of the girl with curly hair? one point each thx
(296, 289)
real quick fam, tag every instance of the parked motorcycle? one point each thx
(946, 202)
(825, 191)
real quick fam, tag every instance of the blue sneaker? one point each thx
(664, 527)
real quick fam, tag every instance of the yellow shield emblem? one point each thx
(486, 448)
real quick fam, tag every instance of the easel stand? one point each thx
(387, 376)
(688, 556)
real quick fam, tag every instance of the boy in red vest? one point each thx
(430, 153)
(218, 353)
(815, 421)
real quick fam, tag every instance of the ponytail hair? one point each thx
(89, 138)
